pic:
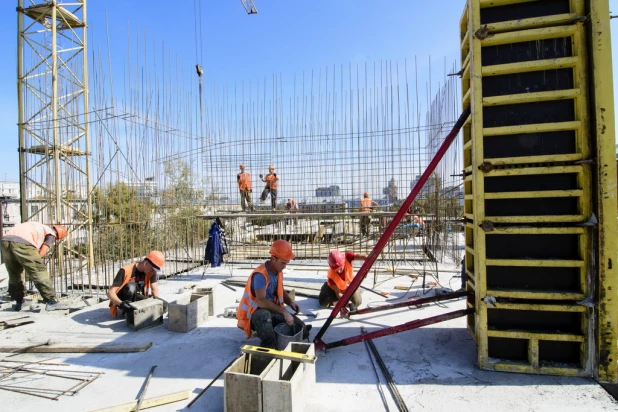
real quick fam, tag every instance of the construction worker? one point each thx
(23, 249)
(262, 305)
(271, 180)
(339, 276)
(135, 281)
(365, 221)
(244, 185)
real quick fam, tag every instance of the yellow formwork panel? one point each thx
(605, 176)
(532, 346)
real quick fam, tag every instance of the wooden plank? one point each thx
(148, 402)
(80, 348)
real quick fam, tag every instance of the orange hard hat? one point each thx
(336, 260)
(282, 249)
(61, 231)
(366, 194)
(156, 259)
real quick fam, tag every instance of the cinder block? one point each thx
(187, 312)
(148, 312)
(211, 298)
(288, 384)
(243, 383)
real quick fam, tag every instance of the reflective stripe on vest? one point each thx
(248, 303)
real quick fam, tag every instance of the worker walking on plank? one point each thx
(271, 181)
(339, 277)
(365, 221)
(135, 281)
(244, 185)
(23, 249)
(262, 305)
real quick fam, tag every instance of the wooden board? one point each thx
(148, 402)
(79, 348)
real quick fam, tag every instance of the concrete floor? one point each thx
(433, 367)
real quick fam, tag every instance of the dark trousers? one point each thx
(365, 222)
(263, 322)
(328, 297)
(273, 196)
(129, 292)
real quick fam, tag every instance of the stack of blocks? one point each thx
(255, 383)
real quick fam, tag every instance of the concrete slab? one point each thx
(433, 367)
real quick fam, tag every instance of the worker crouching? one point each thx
(262, 305)
(135, 281)
(339, 277)
(23, 249)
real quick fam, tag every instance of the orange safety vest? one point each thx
(341, 280)
(366, 204)
(248, 303)
(128, 273)
(32, 232)
(271, 181)
(244, 181)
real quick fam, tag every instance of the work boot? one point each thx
(53, 304)
(17, 305)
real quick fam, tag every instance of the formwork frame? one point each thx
(562, 213)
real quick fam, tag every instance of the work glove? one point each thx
(250, 190)
(275, 174)
(261, 176)
(126, 306)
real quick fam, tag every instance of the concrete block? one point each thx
(211, 298)
(291, 293)
(148, 312)
(187, 312)
(288, 384)
(243, 383)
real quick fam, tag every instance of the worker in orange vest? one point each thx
(271, 181)
(339, 277)
(365, 221)
(23, 249)
(244, 185)
(135, 281)
(262, 305)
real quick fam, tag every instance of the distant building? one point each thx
(330, 191)
(390, 191)
(9, 189)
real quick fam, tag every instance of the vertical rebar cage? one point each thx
(534, 227)
(54, 147)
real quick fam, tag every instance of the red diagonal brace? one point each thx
(364, 270)
(415, 324)
(411, 302)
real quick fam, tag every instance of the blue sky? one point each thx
(284, 37)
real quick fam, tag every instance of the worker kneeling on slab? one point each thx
(23, 248)
(135, 281)
(262, 305)
(339, 277)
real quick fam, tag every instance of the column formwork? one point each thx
(540, 203)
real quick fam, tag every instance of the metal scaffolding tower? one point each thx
(54, 145)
